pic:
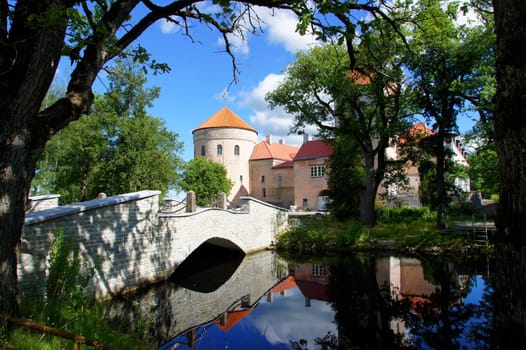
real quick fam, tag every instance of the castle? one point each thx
(273, 172)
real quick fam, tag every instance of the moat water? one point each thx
(356, 301)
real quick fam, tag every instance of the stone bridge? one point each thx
(127, 243)
(171, 310)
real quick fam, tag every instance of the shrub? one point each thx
(404, 214)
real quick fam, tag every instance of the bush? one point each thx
(404, 214)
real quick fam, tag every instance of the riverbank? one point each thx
(411, 231)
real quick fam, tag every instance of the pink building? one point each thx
(273, 172)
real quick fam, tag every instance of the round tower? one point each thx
(227, 139)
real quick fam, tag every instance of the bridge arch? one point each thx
(130, 244)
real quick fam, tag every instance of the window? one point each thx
(318, 270)
(203, 150)
(264, 193)
(219, 150)
(236, 150)
(317, 170)
(240, 178)
(263, 178)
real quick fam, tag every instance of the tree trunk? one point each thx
(510, 306)
(441, 183)
(510, 118)
(28, 60)
(368, 195)
(18, 156)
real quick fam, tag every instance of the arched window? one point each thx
(236, 150)
(219, 150)
(203, 153)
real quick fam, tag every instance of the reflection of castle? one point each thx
(272, 172)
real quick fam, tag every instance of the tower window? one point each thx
(236, 150)
(219, 150)
(264, 193)
(203, 152)
(263, 178)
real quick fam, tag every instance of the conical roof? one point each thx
(225, 118)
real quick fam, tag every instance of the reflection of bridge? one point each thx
(131, 244)
(173, 310)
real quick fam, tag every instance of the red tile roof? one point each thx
(360, 78)
(420, 129)
(266, 150)
(287, 164)
(225, 118)
(314, 149)
(416, 131)
(287, 283)
(233, 317)
(313, 290)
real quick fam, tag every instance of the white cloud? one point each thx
(291, 320)
(267, 121)
(274, 122)
(238, 43)
(168, 27)
(280, 29)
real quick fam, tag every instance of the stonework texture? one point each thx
(127, 244)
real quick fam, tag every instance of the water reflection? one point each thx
(352, 302)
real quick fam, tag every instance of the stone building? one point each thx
(409, 194)
(269, 171)
(227, 139)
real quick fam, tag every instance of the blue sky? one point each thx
(199, 83)
(201, 73)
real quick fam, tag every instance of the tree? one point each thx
(444, 60)
(364, 104)
(207, 179)
(510, 124)
(118, 149)
(346, 178)
(141, 152)
(70, 160)
(483, 171)
(34, 34)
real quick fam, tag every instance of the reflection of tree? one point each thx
(440, 320)
(363, 310)
(510, 296)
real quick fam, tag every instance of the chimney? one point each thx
(269, 139)
(305, 138)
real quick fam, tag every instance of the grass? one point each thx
(406, 229)
(66, 308)
(87, 320)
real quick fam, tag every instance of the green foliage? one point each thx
(119, 148)
(403, 214)
(64, 268)
(320, 234)
(66, 307)
(206, 178)
(451, 68)
(346, 179)
(349, 106)
(483, 171)
(398, 229)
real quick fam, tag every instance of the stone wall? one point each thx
(186, 309)
(129, 244)
(43, 202)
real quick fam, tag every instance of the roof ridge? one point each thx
(225, 118)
